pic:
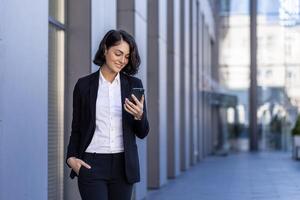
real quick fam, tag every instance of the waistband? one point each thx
(103, 155)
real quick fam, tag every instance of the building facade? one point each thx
(46, 46)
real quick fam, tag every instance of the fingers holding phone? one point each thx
(136, 101)
(135, 105)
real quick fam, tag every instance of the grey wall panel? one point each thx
(126, 15)
(187, 64)
(200, 86)
(182, 81)
(24, 93)
(78, 58)
(177, 83)
(210, 107)
(173, 83)
(194, 104)
(203, 99)
(157, 91)
(197, 82)
(162, 52)
(170, 90)
(207, 109)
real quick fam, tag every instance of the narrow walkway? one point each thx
(244, 176)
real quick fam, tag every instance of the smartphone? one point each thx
(138, 93)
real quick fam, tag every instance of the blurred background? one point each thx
(222, 77)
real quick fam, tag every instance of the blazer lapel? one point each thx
(125, 92)
(94, 84)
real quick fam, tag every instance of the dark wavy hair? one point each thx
(113, 38)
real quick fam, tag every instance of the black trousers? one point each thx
(106, 178)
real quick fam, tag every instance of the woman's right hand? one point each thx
(76, 163)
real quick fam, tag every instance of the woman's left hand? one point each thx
(135, 109)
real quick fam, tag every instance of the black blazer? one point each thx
(84, 122)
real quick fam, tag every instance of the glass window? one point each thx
(278, 41)
(234, 57)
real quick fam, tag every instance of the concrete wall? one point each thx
(174, 83)
(193, 87)
(157, 93)
(186, 63)
(200, 83)
(78, 62)
(24, 96)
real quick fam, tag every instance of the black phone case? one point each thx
(137, 92)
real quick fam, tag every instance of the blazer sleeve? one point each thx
(73, 147)
(141, 127)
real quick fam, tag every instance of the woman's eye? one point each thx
(118, 54)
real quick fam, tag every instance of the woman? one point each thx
(102, 150)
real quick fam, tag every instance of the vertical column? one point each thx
(210, 89)
(200, 84)
(184, 70)
(190, 84)
(177, 79)
(253, 79)
(157, 93)
(78, 64)
(203, 87)
(197, 61)
(193, 138)
(205, 102)
(208, 120)
(132, 17)
(173, 78)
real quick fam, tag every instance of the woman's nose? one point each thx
(123, 59)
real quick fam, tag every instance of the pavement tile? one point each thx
(239, 176)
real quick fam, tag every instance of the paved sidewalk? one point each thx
(244, 176)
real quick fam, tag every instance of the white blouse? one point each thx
(108, 135)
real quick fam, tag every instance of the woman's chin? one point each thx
(118, 69)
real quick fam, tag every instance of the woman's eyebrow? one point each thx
(122, 51)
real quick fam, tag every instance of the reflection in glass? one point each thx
(234, 60)
(278, 64)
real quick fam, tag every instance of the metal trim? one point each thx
(56, 23)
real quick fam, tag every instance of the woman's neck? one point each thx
(108, 74)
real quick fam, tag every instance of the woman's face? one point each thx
(117, 57)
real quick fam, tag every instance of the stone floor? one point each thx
(243, 176)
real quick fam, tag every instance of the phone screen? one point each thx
(137, 92)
